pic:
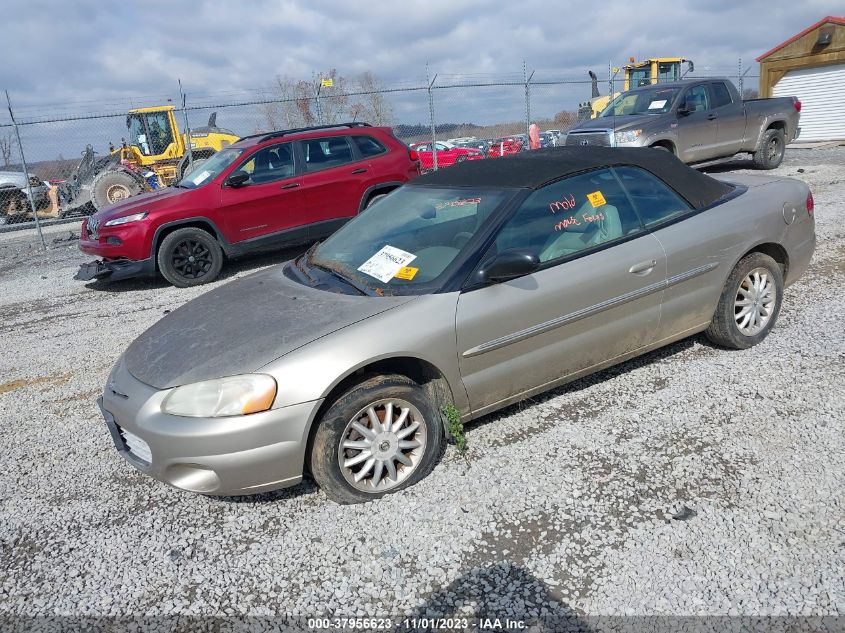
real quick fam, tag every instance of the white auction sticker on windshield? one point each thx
(386, 263)
(200, 177)
(656, 105)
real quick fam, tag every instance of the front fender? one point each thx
(422, 329)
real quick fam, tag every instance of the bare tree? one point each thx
(370, 105)
(285, 113)
(749, 93)
(7, 146)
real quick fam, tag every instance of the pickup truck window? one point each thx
(654, 201)
(655, 100)
(696, 99)
(720, 93)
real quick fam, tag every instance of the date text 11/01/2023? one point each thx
(415, 624)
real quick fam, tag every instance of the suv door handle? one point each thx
(359, 171)
(292, 185)
(712, 116)
(643, 268)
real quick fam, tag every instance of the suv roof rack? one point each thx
(266, 136)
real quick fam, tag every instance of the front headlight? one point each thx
(627, 136)
(126, 219)
(235, 395)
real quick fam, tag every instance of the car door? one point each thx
(595, 297)
(730, 119)
(695, 247)
(268, 203)
(333, 183)
(696, 129)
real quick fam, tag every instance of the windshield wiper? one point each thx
(343, 278)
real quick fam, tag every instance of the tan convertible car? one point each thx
(475, 286)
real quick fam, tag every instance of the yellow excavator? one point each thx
(155, 154)
(636, 74)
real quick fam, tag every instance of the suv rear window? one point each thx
(368, 146)
(325, 153)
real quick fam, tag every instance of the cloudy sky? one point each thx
(93, 56)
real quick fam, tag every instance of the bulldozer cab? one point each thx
(154, 135)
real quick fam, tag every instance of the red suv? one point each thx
(264, 192)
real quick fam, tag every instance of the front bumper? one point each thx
(218, 456)
(115, 270)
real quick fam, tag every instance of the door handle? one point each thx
(292, 185)
(643, 268)
(359, 171)
(712, 116)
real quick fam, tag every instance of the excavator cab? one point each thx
(636, 74)
(657, 70)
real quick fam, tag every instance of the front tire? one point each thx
(770, 153)
(749, 304)
(110, 187)
(381, 436)
(189, 257)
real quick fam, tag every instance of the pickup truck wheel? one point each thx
(381, 436)
(749, 304)
(770, 153)
(189, 257)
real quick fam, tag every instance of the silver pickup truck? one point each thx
(697, 119)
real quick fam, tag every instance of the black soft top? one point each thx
(531, 170)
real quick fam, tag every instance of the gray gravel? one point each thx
(693, 480)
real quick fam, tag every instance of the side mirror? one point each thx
(237, 179)
(509, 264)
(684, 110)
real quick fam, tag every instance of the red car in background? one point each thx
(447, 154)
(505, 146)
(264, 192)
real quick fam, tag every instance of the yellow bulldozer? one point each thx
(636, 74)
(155, 154)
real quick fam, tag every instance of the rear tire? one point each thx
(749, 304)
(114, 186)
(770, 153)
(351, 443)
(189, 257)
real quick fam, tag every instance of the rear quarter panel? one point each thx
(718, 237)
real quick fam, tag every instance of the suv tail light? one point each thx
(412, 153)
(810, 203)
(796, 104)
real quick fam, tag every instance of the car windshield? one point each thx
(404, 243)
(655, 100)
(210, 169)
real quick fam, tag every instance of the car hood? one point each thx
(624, 122)
(158, 199)
(241, 326)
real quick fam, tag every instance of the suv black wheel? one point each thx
(189, 257)
(381, 436)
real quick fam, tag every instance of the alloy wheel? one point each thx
(755, 301)
(382, 445)
(191, 259)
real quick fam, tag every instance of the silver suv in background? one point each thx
(697, 120)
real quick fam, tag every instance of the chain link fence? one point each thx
(64, 151)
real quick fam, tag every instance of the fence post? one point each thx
(317, 100)
(189, 148)
(26, 175)
(431, 117)
(527, 81)
(610, 77)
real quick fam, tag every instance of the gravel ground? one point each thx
(691, 481)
